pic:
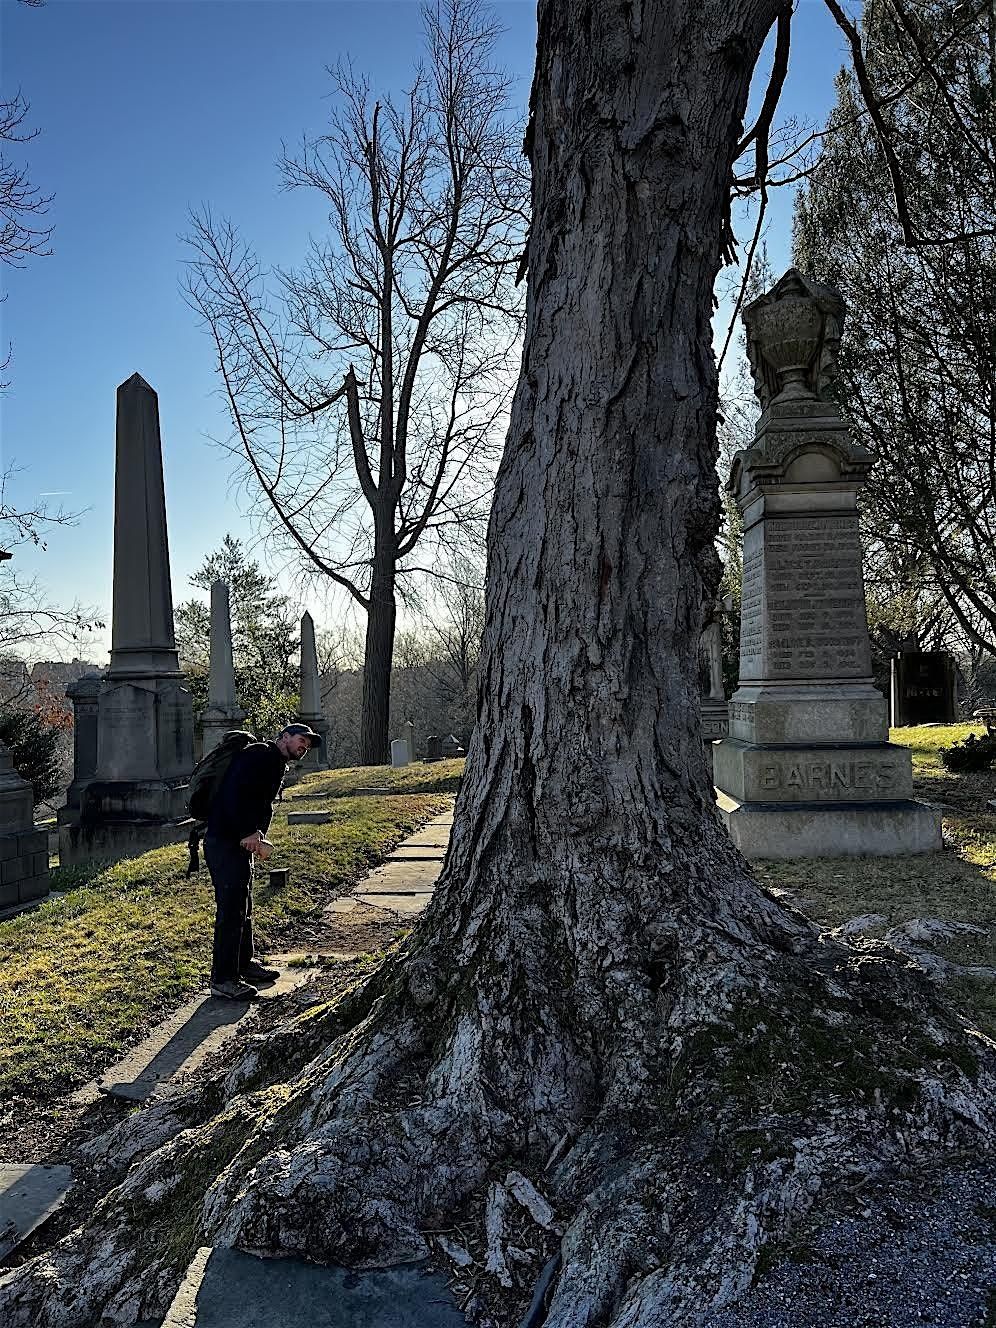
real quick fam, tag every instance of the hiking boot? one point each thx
(234, 991)
(255, 971)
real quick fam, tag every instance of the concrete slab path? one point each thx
(29, 1195)
(182, 1042)
(229, 1289)
(403, 886)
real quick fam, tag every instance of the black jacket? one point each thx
(244, 803)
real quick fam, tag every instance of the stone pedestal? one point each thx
(311, 713)
(223, 712)
(83, 694)
(136, 797)
(807, 769)
(715, 721)
(23, 848)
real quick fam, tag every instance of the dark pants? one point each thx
(231, 875)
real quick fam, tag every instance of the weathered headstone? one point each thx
(83, 694)
(713, 707)
(311, 712)
(23, 848)
(408, 733)
(223, 711)
(145, 728)
(807, 769)
(924, 688)
(399, 753)
(433, 748)
(450, 747)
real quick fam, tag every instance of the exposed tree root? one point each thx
(732, 1094)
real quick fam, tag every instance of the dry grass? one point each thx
(957, 885)
(84, 976)
(437, 777)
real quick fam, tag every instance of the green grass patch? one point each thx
(437, 777)
(83, 977)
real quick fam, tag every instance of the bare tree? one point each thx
(369, 390)
(27, 615)
(437, 660)
(603, 1034)
(23, 206)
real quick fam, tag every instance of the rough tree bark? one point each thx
(599, 999)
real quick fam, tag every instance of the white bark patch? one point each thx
(454, 1252)
(495, 1217)
(531, 1200)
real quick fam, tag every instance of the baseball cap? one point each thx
(303, 731)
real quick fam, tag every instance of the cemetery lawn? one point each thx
(956, 885)
(85, 976)
(438, 777)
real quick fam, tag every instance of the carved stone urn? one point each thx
(792, 336)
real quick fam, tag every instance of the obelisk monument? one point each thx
(223, 712)
(135, 800)
(311, 712)
(807, 769)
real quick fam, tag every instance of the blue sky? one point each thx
(146, 109)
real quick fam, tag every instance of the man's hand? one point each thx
(251, 842)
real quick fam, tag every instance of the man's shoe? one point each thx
(234, 991)
(254, 971)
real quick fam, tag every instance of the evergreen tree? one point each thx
(918, 356)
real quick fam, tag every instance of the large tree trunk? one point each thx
(599, 999)
(379, 654)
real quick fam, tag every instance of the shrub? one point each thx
(973, 754)
(34, 744)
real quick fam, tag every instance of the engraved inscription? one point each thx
(814, 598)
(752, 606)
(828, 779)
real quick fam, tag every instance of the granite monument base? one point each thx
(110, 841)
(23, 868)
(828, 830)
(840, 772)
(715, 722)
(215, 724)
(122, 818)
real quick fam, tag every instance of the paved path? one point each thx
(29, 1195)
(289, 1293)
(404, 884)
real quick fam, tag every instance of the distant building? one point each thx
(59, 675)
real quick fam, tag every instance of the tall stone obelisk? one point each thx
(311, 712)
(145, 726)
(224, 712)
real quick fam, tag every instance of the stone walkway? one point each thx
(399, 890)
(404, 884)
(289, 1293)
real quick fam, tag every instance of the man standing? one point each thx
(238, 818)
